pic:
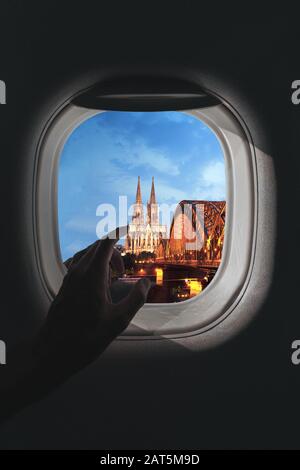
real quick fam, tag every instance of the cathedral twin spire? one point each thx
(152, 195)
(145, 233)
(151, 206)
(138, 198)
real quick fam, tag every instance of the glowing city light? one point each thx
(159, 276)
(195, 287)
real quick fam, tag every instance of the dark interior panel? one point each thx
(241, 394)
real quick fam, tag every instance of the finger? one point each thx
(68, 262)
(116, 262)
(128, 307)
(77, 269)
(77, 256)
(99, 262)
(119, 290)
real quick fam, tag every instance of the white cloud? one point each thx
(168, 193)
(138, 153)
(212, 182)
(82, 224)
(178, 117)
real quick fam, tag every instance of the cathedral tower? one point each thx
(138, 211)
(152, 207)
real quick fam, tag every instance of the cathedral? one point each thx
(145, 232)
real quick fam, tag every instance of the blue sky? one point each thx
(104, 156)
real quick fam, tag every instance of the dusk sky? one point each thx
(104, 156)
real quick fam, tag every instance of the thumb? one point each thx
(129, 306)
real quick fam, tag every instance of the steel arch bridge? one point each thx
(213, 226)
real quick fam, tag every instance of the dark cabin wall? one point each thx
(244, 393)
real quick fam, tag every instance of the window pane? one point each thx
(164, 174)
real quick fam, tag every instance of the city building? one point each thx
(145, 232)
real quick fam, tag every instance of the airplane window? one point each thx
(187, 184)
(163, 174)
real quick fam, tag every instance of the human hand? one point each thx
(83, 320)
